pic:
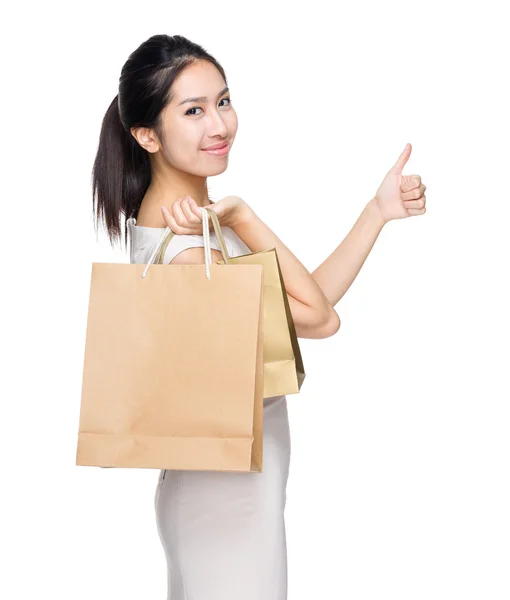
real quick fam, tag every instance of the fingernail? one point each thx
(164, 209)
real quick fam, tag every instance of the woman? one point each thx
(170, 127)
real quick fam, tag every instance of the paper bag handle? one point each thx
(217, 229)
(159, 251)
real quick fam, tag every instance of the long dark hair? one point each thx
(122, 170)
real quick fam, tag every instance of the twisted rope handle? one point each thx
(168, 233)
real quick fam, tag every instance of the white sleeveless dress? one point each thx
(223, 533)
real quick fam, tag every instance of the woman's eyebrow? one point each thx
(203, 98)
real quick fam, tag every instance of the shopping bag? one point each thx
(283, 365)
(173, 366)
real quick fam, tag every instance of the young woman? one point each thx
(171, 126)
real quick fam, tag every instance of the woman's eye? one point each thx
(194, 108)
(188, 112)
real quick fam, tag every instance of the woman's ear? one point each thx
(146, 138)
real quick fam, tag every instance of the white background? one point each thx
(399, 484)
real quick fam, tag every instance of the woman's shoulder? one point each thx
(144, 239)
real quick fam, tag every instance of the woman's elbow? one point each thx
(323, 328)
(331, 324)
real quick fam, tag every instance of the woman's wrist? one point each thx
(244, 214)
(375, 213)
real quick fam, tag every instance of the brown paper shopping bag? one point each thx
(283, 365)
(173, 367)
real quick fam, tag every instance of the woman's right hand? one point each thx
(185, 216)
(231, 211)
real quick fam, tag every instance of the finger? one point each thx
(414, 194)
(177, 213)
(197, 211)
(170, 221)
(409, 182)
(403, 158)
(414, 212)
(419, 204)
(191, 217)
(176, 227)
(180, 217)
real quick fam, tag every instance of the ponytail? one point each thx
(121, 174)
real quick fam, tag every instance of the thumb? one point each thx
(403, 158)
(213, 207)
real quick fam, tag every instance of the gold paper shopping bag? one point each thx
(283, 365)
(173, 367)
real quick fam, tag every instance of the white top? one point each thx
(143, 241)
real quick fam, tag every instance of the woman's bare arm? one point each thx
(312, 313)
(338, 271)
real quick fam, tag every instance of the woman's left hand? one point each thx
(400, 196)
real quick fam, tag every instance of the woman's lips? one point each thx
(219, 151)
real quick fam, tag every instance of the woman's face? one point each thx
(199, 115)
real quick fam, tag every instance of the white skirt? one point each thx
(223, 533)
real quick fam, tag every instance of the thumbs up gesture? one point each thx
(400, 196)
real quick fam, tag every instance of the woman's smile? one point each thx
(217, 151)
